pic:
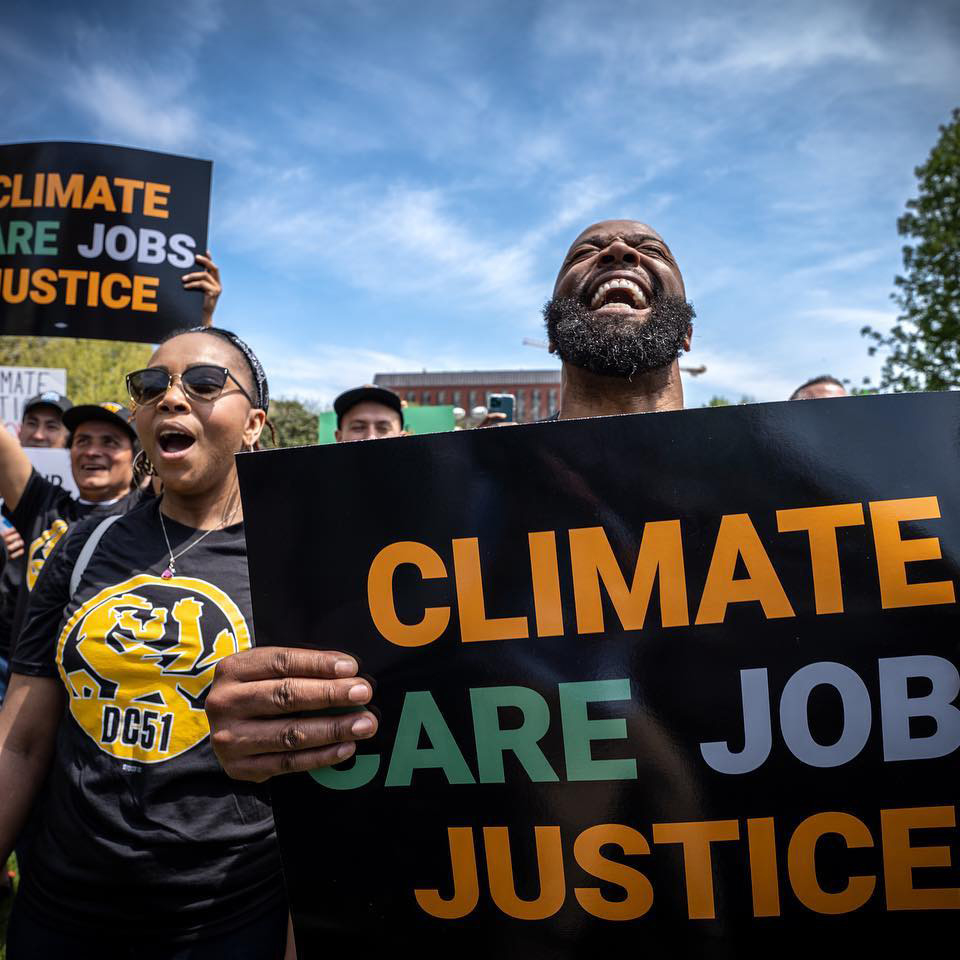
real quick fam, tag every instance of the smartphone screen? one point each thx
(502, 403)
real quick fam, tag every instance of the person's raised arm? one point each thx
(15, 469)
(28, 730)
(255, 695)
(206, 280)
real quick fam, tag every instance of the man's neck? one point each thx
(586, 394)
(103, 496)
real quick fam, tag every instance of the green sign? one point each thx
(417, 420)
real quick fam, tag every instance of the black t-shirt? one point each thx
(43, 515)
(11, 580)
(143, 832)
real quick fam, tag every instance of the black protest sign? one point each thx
(94, 240)
(677, 682)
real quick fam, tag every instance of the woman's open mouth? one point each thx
(174, 442)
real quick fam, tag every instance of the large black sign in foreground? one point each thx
(94, 240)
(678, 684)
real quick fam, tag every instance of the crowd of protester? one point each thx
(150, 834)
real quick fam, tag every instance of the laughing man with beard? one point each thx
(619, 320)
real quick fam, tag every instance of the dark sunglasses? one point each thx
(202, 382)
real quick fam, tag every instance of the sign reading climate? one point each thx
(686, 680)
(94, 240)
(138, 658)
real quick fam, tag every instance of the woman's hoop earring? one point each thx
(142, 467)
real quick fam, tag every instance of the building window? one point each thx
(441, 397)
(411, 396)
(554, 407)
(456, 398)
(521, 407)
(473, 399)
(426, 397)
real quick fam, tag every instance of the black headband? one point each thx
(256, 368)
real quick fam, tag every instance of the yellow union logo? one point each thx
(138, 658)
(40, 550)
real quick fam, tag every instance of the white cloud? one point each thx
(144, 94)
(720, 46)
(852, 316)
(399, 240)
(737, 376)
(751, 40)
(845, 262)
(125, 109)
(321, 371)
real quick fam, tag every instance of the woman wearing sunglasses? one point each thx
(146, 848)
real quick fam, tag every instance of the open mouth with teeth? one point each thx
(619, 291)
(174, 441)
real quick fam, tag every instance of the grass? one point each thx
(5, 905)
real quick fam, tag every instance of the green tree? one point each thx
(95, 368)
(294, 422)
(720, 401)
(924, 343)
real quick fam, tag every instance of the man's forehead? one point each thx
(607, 230)
(92, 428)
(371, 410)
(44, 410)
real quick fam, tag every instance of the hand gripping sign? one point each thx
(678, 684)
(94, 240)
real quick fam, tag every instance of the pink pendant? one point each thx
(167, 574)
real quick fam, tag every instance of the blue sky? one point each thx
(395, 184)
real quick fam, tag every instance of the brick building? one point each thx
(537, 391)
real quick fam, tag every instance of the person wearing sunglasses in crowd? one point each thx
(146, 847)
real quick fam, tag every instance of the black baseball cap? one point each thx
(49, 398)
(367, 394)
(108, 411)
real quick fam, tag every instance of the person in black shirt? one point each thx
(41, 426)
(146, 848)
(102, 447)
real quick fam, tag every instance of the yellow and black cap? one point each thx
(108, 411)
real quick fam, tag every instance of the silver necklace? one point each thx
(171, 570)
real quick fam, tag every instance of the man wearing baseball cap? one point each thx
(42, 420)
(102, 448)
(41, 426)
(368, 413)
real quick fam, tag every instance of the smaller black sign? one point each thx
(94, 240)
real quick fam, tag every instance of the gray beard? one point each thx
(614, 348)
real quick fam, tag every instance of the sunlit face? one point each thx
(43, 427)
(101, 455)
(192, 442)
(369, 421)
(619, 307)
(820, 391)
(616, 268)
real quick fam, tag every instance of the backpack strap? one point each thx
(89, 548)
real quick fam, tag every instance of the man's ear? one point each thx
(551, 347)
(688, 339)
